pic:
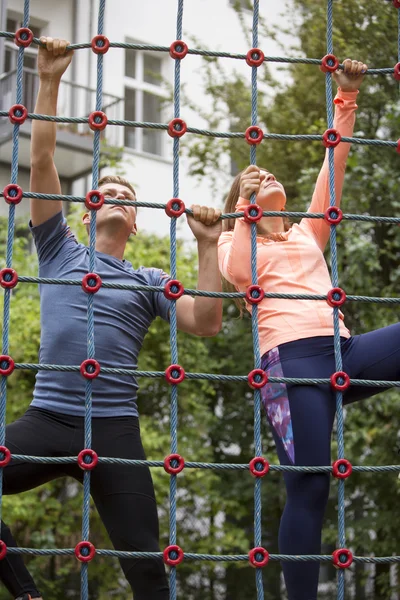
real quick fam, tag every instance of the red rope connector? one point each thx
(257, 378)
(94, 200)
(342, 558)
(23, 37)
(336, 297)
(252, 213)
(7, 365)
(178, 49)
(175, 374)
(177, 128)
(87, 453)
(342, 468)
(18, 114)
(255, 57)
(398, 146)
(90, 368)
(335, 383)
(104, 44)
(3, 549)
(259, 466)
(396, 3)
(175, 207)
(85, 551)
(174, 469)
(329, 63)
(254, 135)
(91, 283)
(173, 289)
(8, 278)
(254, 294)
(97, 120)
(331, 138)
(258, 557)
(13, 193)
(396, 73)
(333, 215)
(173, 555)
(6, 456)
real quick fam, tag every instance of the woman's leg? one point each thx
(124, 497)
(302, 418)
(373, 355)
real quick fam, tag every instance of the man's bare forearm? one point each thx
(44, 132)
(208, 311)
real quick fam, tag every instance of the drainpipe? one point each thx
(3, 22)
(73, 64)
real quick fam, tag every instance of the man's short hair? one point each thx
(116, 179)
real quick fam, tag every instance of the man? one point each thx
(54, 423)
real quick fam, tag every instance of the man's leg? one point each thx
(32, 434)
(124, 497)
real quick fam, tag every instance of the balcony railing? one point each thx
(74, 100)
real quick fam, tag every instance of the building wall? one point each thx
(213, 25)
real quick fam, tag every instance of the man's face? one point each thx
(118, 220)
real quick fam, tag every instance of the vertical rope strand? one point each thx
(10, 244)
(173, 321)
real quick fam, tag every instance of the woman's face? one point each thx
(272, 195)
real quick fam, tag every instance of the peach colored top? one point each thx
(295, 265)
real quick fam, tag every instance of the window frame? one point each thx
(140, 87)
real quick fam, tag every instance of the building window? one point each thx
(144, 97)
(11, 50)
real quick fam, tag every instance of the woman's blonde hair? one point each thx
(229, 224)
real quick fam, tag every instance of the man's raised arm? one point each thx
(53, 60)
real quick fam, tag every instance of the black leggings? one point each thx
(123, 494)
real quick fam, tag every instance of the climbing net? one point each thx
(173, 464)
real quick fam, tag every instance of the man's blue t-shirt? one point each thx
(121, 320)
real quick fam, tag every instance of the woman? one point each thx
(296, 336)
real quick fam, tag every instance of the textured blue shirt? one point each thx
(121, 320)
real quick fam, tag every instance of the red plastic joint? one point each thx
(396, 3)
(170, 468)
(340, 387)
(173, 294)
(6, 456)
(254, 294)
(18, 114)
(85, 551)
(104, 45)
(177, 128)
(398, 146)
(7, 365)
(8, 278)
(396, 73)
(23, 37)
(342, 468)
(257, 378)
(173, 555)
(336, 297)
(254, 135)
(258, 557)
(94, 200)
(333, 215)
(252, 213)
(327, 140)
(87, 452)
(342, 558)
(178, 49)
(91, 283)
(12, 193)
(97, 120)
(3, 549)
(175, 374)
(259, 466)
(175, 207)
(329, 64)
(93, 366)
(255, 57)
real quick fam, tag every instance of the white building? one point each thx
(131, 89)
